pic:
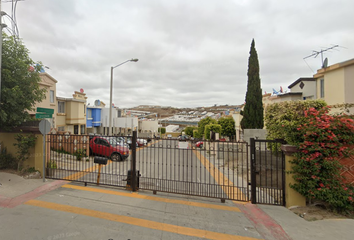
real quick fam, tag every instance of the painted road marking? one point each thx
(227, 186)
(152, 198)
(137, 222)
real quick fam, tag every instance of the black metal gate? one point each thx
(212, 169)
(209, 169)
(267, 172)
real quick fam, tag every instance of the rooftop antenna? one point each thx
(316, 53)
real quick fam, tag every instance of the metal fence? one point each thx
(71, 157)
(217, 169)
(267, 172)
(212, 169)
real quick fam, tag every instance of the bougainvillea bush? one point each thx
(316, 168)
(322, 138)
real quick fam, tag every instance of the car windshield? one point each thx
(112, 141)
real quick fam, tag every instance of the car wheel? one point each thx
(116, 157)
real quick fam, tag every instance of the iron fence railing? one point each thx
(267, 172)
(211, 169)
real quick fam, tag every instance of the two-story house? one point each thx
(71, 116)
(335, 83)
(49, 83)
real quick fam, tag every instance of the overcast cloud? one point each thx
(191, 53)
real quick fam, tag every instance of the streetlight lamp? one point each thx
(110, 96)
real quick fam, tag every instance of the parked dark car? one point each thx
(108, 147)
(183, 137)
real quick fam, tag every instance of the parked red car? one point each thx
(108, 147)
(199, 144)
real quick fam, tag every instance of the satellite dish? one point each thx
(325, 63)
(97, 102)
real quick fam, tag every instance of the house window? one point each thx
(61, 129)
(89, 113)
(322, 88)
(61, 107)
(82, 130)
(76, 129)
(51, 96)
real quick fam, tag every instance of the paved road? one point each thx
(33, 209)
(73, 211)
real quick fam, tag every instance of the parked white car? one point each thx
(141, 142)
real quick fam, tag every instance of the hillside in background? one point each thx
(164, 112)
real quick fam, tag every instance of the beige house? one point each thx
(71, 114)
(305, 86)
(49, 83)
(335, 83)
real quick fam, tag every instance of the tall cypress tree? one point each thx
(253, 110)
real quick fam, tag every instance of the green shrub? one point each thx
(195, 133)
(321, 139)
(51, 164)
(80, 153)
(282, 119)
(24, 142)
(211, 127)
(201, 126)
(227, 126)
(189, 130)
(7, 161)
(162, 130)
(61, 150)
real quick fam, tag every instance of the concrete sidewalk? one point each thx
(271, 222)
(15, 190)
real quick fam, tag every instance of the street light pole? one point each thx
(110, 130)
(1, 25)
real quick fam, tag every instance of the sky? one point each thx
(192, 53)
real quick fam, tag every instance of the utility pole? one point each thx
(0, 49)
(1, 26)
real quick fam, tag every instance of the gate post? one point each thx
(253, 172)
(133, 163)
(292, 197)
